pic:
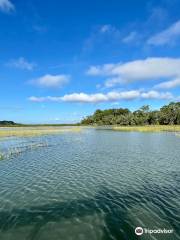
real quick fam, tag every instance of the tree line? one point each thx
(7, 123)
(166, 115)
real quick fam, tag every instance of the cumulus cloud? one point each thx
(138, 70)
(21, 63)
(168, 36)
(112, 96)
(6, 6)
(49, 80)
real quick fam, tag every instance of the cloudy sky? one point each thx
(61, 60)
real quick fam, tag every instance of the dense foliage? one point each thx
(7, 123)
(168, 114)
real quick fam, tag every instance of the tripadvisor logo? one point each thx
(139, 231)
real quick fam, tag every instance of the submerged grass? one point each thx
(36, 131)
(1, 156)
(15, 151)
(149, 128)
(7, 132)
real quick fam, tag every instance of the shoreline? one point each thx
(35, 131)
(32, 131)
(148, 128)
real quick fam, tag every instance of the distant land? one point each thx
(166, 115)
(7, 123)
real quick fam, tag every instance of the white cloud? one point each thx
(132, 36)
(84, 98)
(156, 95)
(6, 6)
(100, 35)
(168, 36)
(51, 80)
(113, 96)
(103, 70)
(37, 99)
(138, 70)
(106, 28)
(21, 63)
(169, 84)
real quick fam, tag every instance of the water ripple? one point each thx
(91, 185)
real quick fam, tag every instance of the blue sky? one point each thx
(61, 60)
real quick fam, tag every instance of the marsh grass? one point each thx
(30, 132)
(149, 128)
(1, 156)
(36, 131)
(15, 151)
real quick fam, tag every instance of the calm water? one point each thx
(90, 185)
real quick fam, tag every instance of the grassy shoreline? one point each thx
(50, 130)
(148, 128)
(38, 125)
(35, 131)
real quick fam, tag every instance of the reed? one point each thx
(149, 128)
(36, 131)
